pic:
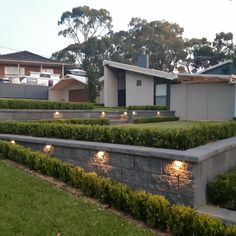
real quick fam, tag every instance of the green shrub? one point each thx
(154, 209)
(82, 121)
(42, 104)
(147, 107)
(222, 190)
(155, 119)
(179, 138)
(186, 221)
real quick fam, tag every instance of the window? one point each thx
(51, 71)
(13, 70)
(161, 95)
(139, 82)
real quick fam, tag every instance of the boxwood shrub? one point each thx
(155, 119)
(222, 190)
(147, 107)
(153, 209)
(179, 138)
(41, 104)
(98, 121)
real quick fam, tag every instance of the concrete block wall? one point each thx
(181, 176)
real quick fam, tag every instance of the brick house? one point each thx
(22, 63)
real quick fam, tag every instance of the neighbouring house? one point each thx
(197, 96)
(71, 88)
(24, 62)
(223, 68)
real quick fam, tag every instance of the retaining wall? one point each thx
(181, 176)
(25, 114)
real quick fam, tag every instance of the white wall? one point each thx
(202, 101)
(110, 88)
(139, 95)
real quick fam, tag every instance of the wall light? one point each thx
(48, 149)
(13, 142)
(125, 116)
(57, 115)
(101, 157)
(178, 165)
(103, 115)
(158, 113)
(134, 113)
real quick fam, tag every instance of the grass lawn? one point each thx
(165, 125)
(29, 207)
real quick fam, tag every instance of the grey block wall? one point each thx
(181, 176)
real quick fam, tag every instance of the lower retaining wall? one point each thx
(181, 176)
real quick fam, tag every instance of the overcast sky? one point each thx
(32, 24)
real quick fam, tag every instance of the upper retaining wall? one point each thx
(25, 114)
(181, 176)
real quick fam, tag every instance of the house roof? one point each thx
(216, 66)
(25, 56)
(204, 78)
(140, 70)
(67, 80)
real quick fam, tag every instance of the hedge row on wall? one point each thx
(155, 119)
(153, 209)
(40, 104)
(99, 121)
(179, 138)
(222, 190)
(147, 107)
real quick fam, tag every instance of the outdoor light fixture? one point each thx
(13, 142)
(125, 115)
(103, 114)
(178, 165)
(48, 149)
(134, 113)
(158, 113)
(101, 157)
(57, 115)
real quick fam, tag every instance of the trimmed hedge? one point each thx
(41, 104)
(153, 209)
(155, 119)
(222, 190)
(147, 107)
(179, 138)
(82, 121)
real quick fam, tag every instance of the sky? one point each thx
(32, 24)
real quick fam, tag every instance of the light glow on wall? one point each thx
(103, 114)
(13, 142)
(158, 113)
(134, 113)
(57, 115)
(178, 165)
(48, 149)
(125, 116)
(101, 157)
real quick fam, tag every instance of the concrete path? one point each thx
(226, 215)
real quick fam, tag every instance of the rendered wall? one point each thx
(203, 101)
(139, 95)
(110, 87)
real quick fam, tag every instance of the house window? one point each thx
(13, 70)
(161, 95)
(139, 82)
